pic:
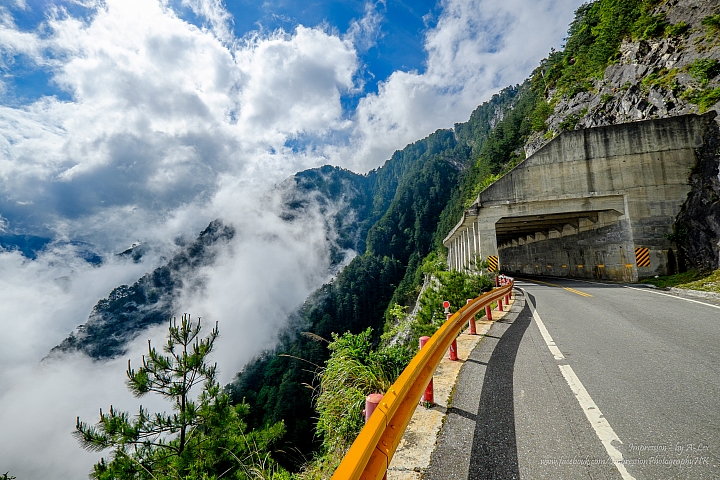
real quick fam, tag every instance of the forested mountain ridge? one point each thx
(130, 309)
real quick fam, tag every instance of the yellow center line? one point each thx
(582, 294)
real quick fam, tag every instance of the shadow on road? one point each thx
(494, 449)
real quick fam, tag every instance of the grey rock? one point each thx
(619, 75)
(698, 223)
(657, 99)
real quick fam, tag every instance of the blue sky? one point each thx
(397, 45)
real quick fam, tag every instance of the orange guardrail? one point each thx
(372, 450)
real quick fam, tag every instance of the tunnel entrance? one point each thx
(571, 244)
(514, 229)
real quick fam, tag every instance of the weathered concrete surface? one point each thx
(413, 454)
(587, 200)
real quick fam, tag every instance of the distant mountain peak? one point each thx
(130, 309)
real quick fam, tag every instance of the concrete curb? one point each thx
(683, 292)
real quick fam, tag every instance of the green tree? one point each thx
(203, 437)
(455, 287)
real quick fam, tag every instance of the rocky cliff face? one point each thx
(674, 75)
(659, 78)
(697, 229)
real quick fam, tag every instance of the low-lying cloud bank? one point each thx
(170, 125)
(262, 275)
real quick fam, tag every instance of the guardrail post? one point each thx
(452, 351)
(371, 403)
(428, 396)
(473, 330)
(497, 281)
(500, 306)
(488, 312)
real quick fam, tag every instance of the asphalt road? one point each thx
(630, 388)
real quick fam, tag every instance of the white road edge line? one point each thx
(648, 290)
(597, 420)
(673, 296)
(545, 334)
(602, 428)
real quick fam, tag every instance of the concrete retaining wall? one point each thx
(633, 176)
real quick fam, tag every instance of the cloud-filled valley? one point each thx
(167, 121)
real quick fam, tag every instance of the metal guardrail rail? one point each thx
(373, 449)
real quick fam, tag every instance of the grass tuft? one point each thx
(691, 280)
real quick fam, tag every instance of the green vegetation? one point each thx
(704, 69)
(454, 286)
(202, 438)
(704, 98)
(662, 78)
(570, 122)
(677, 29)
(691, 280)
(353, 371)
(712, 22)
(594, 39)
(540, 115)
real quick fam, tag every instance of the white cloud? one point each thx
(292, 84)
(219, 18)
(263, 274)
(476, 48)
(160, 110)
(43, 301)
(365, 32)
(15, 42)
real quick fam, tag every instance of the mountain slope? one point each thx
(409, 193)
(574, 88)
(129, 309)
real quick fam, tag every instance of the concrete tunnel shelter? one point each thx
(594, 203)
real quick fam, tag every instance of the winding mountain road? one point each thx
(588, 380)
